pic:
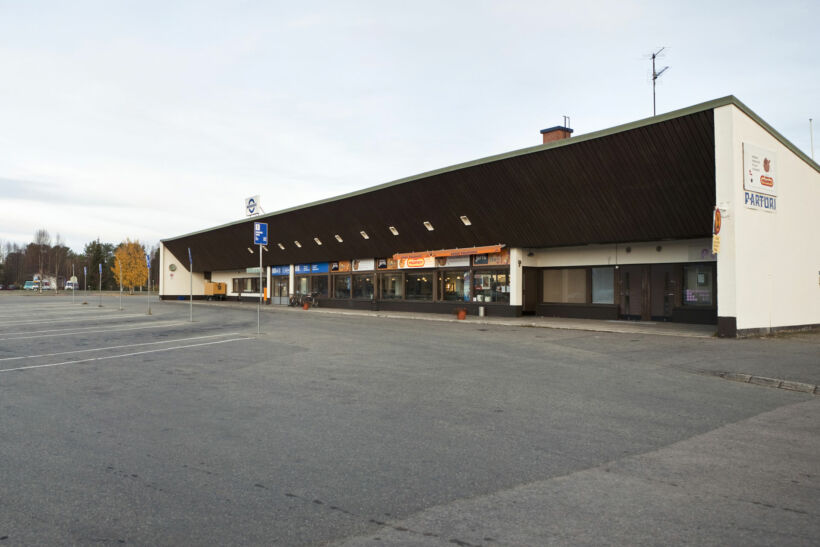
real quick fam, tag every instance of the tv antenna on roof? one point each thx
(655, 76)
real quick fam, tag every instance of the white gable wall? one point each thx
(769, 263)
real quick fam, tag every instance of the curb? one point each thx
(470, 320)
(776, 383)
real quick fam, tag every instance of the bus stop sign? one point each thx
(260, 233)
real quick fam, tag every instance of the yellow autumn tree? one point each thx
(130, 256)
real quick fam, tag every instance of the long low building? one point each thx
(705, 215)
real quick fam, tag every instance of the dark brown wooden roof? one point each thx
(651, 182)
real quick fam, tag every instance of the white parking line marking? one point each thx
(87, 331)
(69, 328)
(124, 355)
(118, 347)
(84, 318)
(52, 311)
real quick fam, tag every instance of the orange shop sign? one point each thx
(466, 251)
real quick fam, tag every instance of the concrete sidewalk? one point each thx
(595, 325)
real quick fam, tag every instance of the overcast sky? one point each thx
(149, 120)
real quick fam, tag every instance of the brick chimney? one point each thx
(557, 133)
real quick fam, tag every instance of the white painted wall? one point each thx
(516, 276)
(177, 282)
(769, 264)
(689, 250)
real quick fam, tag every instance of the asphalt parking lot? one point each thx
(118, 427)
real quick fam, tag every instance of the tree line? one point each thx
(47, 258)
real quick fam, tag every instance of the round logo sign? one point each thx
(716, 224)
(172, 267)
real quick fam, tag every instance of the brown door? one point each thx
(529, 287)
(635, 294)
(665, 281)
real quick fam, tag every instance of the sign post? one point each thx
(85, 284)
(100, 304)
(148, 264)
(73, 285)
(260, 237)
(191, 280)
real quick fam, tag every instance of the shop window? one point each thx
(698, 285)
(490, 286)
(392, 286)
(301, 284)
(246, 285)
(318, 285)
(341, 286)
(603, 285)
(363, 286)
(419, 286)
(454, 285)
(565, 285)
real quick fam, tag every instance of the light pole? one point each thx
(190, 285)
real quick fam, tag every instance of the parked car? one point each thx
(31, 286)
(72, 286)
(12, 287)
(2, 287)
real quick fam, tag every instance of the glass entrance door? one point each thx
(279, 293)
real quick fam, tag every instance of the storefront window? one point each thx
(698, 285)
(363, 286)
(603, 285)
(301, 284)
(490, 286)
(454, 285)
(391, 285)
(565, 285)
(247, 284)
(419, 285)
(318, 285)
(341, 286)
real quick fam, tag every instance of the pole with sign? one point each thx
(100, 304)
(85, 284)
(191, 279)
(73, 284)
(148, 264)
(260, 237)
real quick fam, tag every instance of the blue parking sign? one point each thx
(148, 261)
(260, 233)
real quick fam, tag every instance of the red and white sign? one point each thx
(417, 262)
(759, 170)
